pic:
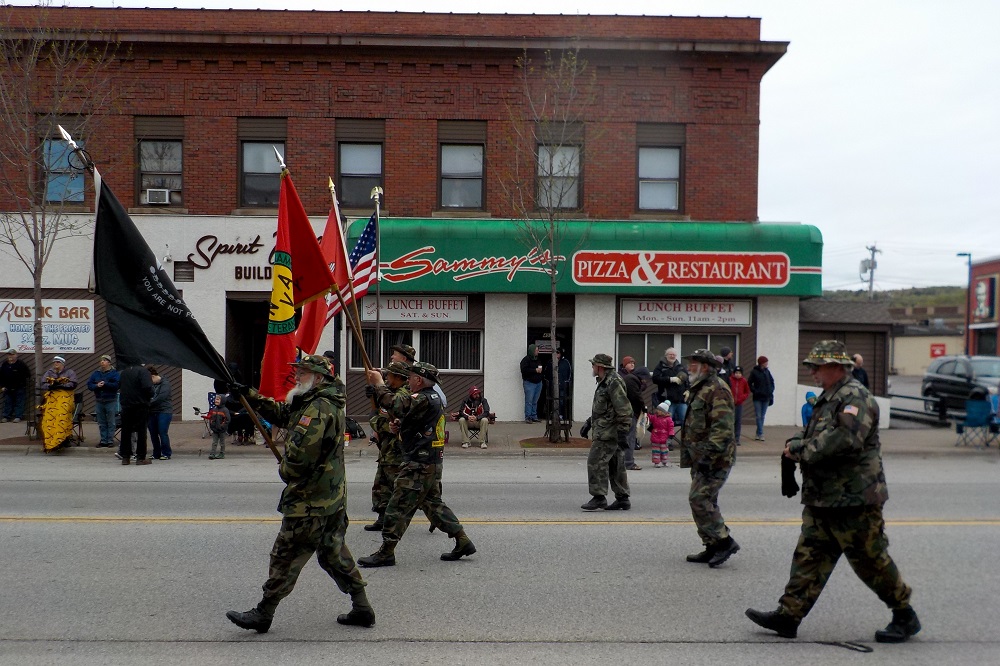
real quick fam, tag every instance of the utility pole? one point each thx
(869, 266)
(966, 334)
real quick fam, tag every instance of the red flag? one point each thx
(314, 312)
(296, 280)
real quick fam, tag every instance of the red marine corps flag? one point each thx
(300, 275)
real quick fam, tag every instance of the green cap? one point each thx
(704, 356)
(398, 368)
(828, 351)
(425, 370)
(315, 363)
(406, 350)
(603, 360)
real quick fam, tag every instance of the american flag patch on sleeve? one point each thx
(851, 409)
(306, 420)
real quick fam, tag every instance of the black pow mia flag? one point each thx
(149, 321)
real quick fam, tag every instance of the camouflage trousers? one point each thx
(385, 479)
(606, 465)
(859, 534)
(298, 539)
(418, 486)
(704, 500)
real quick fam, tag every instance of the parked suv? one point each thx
(953, 379)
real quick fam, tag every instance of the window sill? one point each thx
(363, 212)
(460, 213)
(664, 216)
(268, 212)
(157, 210)
(53, 207)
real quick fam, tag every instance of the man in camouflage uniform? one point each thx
(420, 423)
(390, 456)
(314, 501)
(708, 447)
(610, 419)
(843, 490)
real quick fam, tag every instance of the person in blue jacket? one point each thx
(104, 383)
(807, 408)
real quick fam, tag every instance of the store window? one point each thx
(647, 348)
(452, 350)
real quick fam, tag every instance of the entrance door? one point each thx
(246, 332)
(564, 339)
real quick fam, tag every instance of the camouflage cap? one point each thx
(603, 360)
(425, 370)
(828, 351)
(315, 363)
(398, 368)
(406, 350)
(705, 356)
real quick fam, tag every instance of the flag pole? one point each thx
(377, 196)
(355, 327)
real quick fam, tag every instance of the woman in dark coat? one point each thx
(762, 389)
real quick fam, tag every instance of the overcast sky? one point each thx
(880, 125)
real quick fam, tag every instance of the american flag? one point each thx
(364, 267)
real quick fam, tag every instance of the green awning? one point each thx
(616, 257)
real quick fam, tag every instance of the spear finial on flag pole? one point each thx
(376, 195)
(88, 164)
(281, 160)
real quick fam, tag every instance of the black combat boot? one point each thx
(383, 557)
(596, 503)
(703, 557)
(723, 551)
(620, 504)
(776, 621)
(358, 617)
(904, 624)
(255, 618)
(463, 546)
(376, 526)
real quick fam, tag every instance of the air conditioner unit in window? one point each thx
(158, 197)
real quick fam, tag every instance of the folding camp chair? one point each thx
(204, 415)
(979, 426)
(78, 415)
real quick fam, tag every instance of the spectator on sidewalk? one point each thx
(531, 380)
(807, 408)
(860, 373)
(762, 389)
(728, 363)
(741, 393)
(671, 380)
(661, 429)
(59, 383)
(565, 370)
(633, 391)
(161, 411)
(474, 415)
(14, 379)
(136, 393)
(104, 383)
(218, 423)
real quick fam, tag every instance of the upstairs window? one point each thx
(360, 160)
(660, 153)
(558, 177)
(260, 172)
(160, 173)
(63, 183)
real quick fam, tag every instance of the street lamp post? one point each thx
(968, 299)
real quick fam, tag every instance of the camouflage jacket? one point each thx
(612, 412)
(421, 422)
(313, 465)
(389, 451)
(708, 426)
(839, 450)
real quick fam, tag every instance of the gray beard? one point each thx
(694, 379)
(300, 388)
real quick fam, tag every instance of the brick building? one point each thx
(982, 333)
(662, 240)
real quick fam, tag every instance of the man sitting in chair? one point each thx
(474, 415)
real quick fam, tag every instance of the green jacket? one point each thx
(612, 412)
(708, 426)
(313, 465)
(839, 450)
(421, 422)
(389, 451)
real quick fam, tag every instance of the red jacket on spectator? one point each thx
(740, 388)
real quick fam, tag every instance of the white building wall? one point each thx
(504, 346)
(593, 333)
(778, 340)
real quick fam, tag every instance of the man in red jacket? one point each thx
(741, 393)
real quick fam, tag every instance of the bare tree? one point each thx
(543, 179)
(48, 76)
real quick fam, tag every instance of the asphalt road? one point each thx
(106, 564)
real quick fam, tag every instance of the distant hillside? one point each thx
(901, 298)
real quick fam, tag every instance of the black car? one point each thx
(953, 378)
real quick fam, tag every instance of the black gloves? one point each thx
(369, 391)
(239, 390)
(622, 440)
(585, 429)
(704, 467)
(789, 487)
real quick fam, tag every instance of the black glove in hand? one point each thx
(789, 486)
(369, 391)
(585, 429)
(704, 467)
(238, 390)
(623, 441)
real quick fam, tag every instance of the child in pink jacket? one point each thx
(661, 429)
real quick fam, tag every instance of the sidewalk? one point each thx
(506, 440)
